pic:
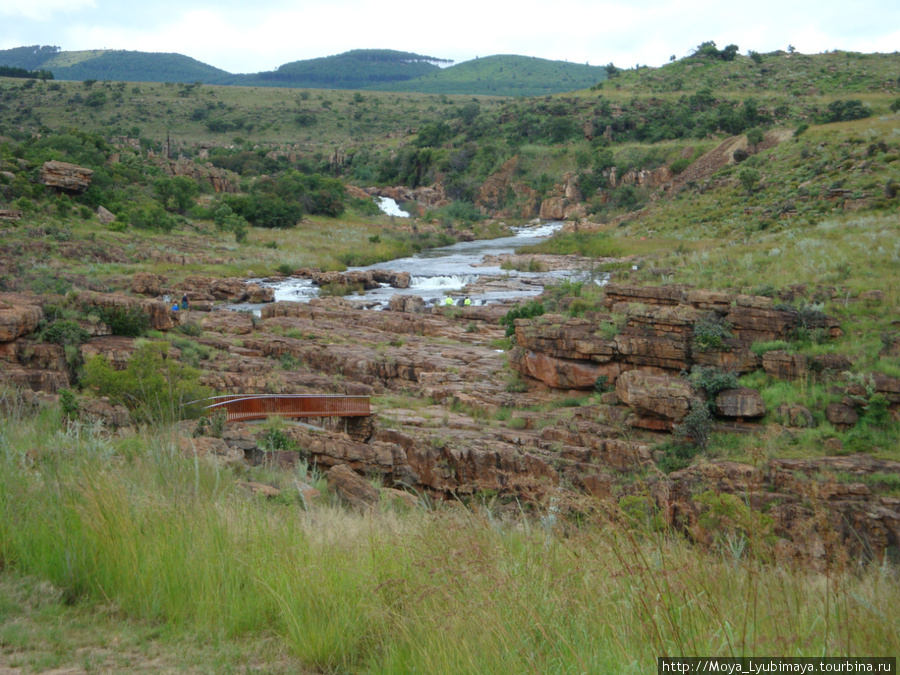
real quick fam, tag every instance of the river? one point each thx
(437, 272)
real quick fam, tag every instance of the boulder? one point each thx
(741, 402)
(18, 320)
(798, 416)
(212, 448)
(66, 177)
(258, 294)
(233, 323)
(657, 396)
(351, 487)
(262, 489)
(410, 304)
(842, 416)
(562, 373)
(105, 216)
(146, 283)
(784, 365)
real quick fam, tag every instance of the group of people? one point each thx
(175, 306)
(448, 301)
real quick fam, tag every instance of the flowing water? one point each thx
(437, 272)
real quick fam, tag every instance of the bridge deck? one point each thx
(240, 407)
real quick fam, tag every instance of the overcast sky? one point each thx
(243, 36)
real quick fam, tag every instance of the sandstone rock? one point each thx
(841, 416)
(405, 498)
(411, 304)
(112, 415)
(352, 488)
(887, 385)
(233, 290)
(66, 177)
(158, 313)
(213, 448)
(262, 489)
(105, 216)
(562, 373)
(798, 416)
(650, 295)
(761, 325)
(657, 396)
(258, 294)
(741, 402)
(145, 283)
(784, 365)
(16, 321)
(233, 323)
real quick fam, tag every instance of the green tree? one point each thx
(749, 178)
(176, 194)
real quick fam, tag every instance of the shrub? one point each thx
(676, 455)
(696, 425)
(154, 387)
(679, 165)
(529, 310)
(128, 322)
(712, 380)
(65, 332)
(710, 333)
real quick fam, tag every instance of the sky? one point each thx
(247, 37)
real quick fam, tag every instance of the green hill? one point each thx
(356, 69)
(504, 75)
(111, 65)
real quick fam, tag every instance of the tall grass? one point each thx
(171, 539)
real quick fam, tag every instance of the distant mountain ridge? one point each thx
(360, 69)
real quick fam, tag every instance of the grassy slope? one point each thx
(131, 527)
(504, 75)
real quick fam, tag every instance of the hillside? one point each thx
(356, 69)
(131, 66)
(503, 75)
(361, 69)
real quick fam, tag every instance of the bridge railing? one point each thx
(260, 406)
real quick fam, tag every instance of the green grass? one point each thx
(181, 554)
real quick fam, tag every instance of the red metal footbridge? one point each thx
(240, 407)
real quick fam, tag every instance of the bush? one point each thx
(528, 310)
(696, 425)
(154, 387)
(712, 380)
(130, 322)
(65, 332)
(710, 333)
(679, 165)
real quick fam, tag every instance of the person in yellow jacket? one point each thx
(448, 301)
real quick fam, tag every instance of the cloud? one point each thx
(44, 10)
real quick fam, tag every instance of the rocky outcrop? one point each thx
(659, 330)
(811, 517)
(659, 401)
(18, 319)
(352, 488)
(66, 177)
(564, 201)
(159, 314)
(740, 403)
(367, 279)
